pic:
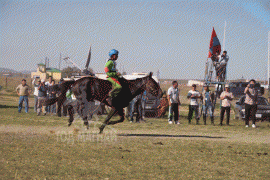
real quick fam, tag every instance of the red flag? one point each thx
(214, 44)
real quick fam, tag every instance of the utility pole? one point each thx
(59, 66)
(268, 60)
(224, 36)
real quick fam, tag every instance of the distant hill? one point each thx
(12, 71)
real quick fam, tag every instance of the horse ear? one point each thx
(150, 74)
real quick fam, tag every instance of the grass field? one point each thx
(43, 147)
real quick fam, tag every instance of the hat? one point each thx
(226, 86)
(42, 80)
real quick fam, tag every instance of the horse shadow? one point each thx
(6, 106)
(170, 136)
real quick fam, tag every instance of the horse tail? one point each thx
(63, 88)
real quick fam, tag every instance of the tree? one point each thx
(69, 71)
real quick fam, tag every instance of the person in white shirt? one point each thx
(226, 98)
(174, 102)
(49, 83)
(36, 93)
(194, 95)
(251, 102)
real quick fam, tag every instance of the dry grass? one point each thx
(45, 148)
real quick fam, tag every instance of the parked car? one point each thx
(238, 88)
(151, 105)
(263, 109)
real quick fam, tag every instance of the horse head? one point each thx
(152, 86)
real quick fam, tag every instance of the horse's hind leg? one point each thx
(107, 120)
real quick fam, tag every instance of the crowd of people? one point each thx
(206, 98)
(42, 91)
(45, 90)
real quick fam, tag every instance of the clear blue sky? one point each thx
(170, 36)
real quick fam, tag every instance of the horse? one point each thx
(88, 89)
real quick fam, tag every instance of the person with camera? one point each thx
(251, 103)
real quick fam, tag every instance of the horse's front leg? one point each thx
(122, 117)
(71, 114)
(107, 120)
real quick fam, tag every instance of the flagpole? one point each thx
(268, 59)
(224, 36)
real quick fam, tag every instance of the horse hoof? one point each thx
(101, 129)
(69, 124)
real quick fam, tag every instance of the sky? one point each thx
(170, 36)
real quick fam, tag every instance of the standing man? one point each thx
(132, 109)
(224, 58)
(52, 94)
(226, 98)
(42, 97)
(174, 102)
(113, 75)
(208, 97)
(194, 95)
(144, 98)
(23, 91)
(36, 92)
(48, 84)
(251, 103)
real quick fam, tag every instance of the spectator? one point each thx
(215, 59)
(48, 84)
(251, 103)
(174, 102)
(226, 98)
(135, 106)
(42, 97)
(143, 101)
(194, 95)
(59, 110)
(208, 98)
(23, 91)
(164, 104)
(224, 58)
(52, 90)
(36, 92)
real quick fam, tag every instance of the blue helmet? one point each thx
(113, 52)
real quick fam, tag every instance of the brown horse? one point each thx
(91, 88)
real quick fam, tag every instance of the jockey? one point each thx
(113, 75)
